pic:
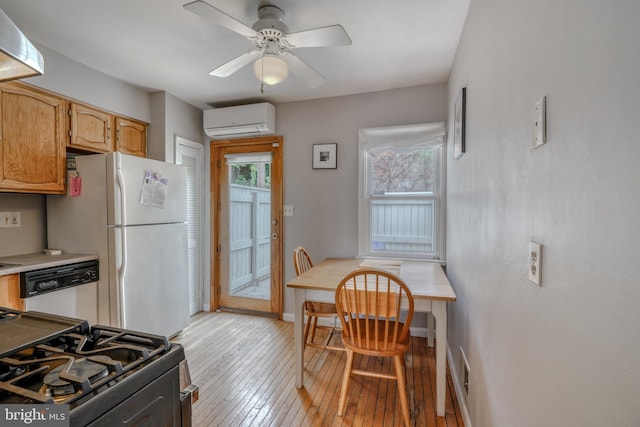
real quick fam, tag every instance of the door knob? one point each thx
(274, 236)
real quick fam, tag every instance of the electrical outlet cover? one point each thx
(535, 262)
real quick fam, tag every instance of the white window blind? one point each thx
(401, 191)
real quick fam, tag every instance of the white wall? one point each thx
(169, 117)
(172, 116)
(30, 236)
(566, 353)
(74, 80)
(325, 201)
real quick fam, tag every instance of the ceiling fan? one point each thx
(273, 44)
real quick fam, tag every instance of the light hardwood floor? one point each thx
(244, 368)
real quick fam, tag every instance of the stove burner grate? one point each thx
(67, 380)
(73, 366)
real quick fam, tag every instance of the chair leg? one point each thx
(314, 323)
(329, 335)
(346, 380)
(402, 388)
(306, 329)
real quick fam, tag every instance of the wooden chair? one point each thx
(314, 309)
(368, 303)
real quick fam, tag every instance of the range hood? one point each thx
(18, 57)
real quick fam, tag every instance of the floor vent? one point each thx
(464, 369)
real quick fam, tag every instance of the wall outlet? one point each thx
(9, 219)
(288, 210)
(535, 262)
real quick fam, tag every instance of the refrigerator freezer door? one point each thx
(145, 191)
(149, 290)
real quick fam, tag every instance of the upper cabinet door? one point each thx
(33, 132)
(131, 137)
(91, 129)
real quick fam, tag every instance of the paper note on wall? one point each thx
(154, 190)
(75, 184)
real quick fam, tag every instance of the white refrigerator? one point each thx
(131, 211)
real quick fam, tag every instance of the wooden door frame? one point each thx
(276, 214)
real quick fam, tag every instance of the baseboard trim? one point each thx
(459, 389)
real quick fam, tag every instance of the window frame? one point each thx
(423, 134)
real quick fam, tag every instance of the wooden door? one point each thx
(33, 132)
(230, 281)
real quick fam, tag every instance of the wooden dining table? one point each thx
(429, 286)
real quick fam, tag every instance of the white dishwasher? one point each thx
(69, 290)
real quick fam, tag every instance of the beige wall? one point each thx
(567, 353)
(325, 201)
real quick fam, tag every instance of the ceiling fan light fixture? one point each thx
(271, 69)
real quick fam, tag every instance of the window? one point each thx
(401, 191)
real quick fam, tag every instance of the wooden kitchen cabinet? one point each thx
(131, 137)
(91, 129)
(10, 292)
(33, 132)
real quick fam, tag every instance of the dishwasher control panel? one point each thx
(51, 279)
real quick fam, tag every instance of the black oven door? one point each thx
(156, 405)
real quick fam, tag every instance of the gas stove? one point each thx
(106, 375)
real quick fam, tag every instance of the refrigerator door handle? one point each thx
(122, 270)
(121, 190)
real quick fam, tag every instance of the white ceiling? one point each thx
(158, 45)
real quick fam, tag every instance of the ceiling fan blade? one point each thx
(300, 68)
(235, 64)
(333, 35)
(207, 11)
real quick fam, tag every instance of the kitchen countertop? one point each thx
(28, 262)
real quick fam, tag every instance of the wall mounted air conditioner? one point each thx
(240, 121)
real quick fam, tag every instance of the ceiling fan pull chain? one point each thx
(264, 52)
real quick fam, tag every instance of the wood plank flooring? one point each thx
(244, 367)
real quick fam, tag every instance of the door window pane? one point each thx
(249, 226)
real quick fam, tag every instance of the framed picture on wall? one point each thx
(325, 156)
(459, 118)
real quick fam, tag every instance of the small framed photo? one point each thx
(325, 156)
(459, 118)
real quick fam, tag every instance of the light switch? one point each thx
(539, 123)
(288, 210)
